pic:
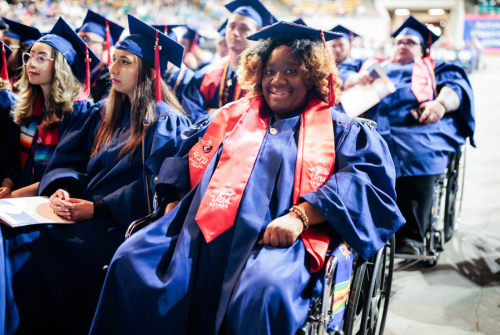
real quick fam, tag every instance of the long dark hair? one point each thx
(143, 104)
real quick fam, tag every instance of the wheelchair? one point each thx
(368, 301)
(446, 209)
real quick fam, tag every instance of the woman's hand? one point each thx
(171, 206)
(433, 112)
(283, 231)
(6, 189)
(59, 201)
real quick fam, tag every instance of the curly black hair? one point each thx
(315, 61)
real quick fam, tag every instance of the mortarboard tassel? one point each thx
(86, 84)
(351, 36)
(429, 44)
(159, 95)
(4, 74)
(108, 43)
(193, 45)
(166, 30)
(331, 88)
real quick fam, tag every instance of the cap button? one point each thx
(273, 131)
(155, 180)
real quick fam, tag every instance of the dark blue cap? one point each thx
(413, 27)
(346, 33)
(22, 32)
(2, 25)
(222, 29)
(67, 42)
(293, 31)
(300, 21)
(253, 9)
(190, 35)
(170, 29)
(142, 41)
(96, 23)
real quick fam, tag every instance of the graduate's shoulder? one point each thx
(215, 66)
(343, 121)
(450, 69)
(7, 99)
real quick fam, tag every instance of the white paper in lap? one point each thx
(360, 98)
(20, 212)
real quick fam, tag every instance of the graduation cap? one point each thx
(295, 31)
(152, 46)
(192, 36)
(300, 21)
(6, 52)
(168, 29)
(80, 58)
(253, 9)
(98, 24)
(346, 33)
(222, 29)
(22, 32)
(413, 27)
(2, 25)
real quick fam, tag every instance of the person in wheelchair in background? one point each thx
(271, 181)
(428, 118)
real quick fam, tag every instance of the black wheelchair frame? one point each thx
(446, 209)
(368, 301)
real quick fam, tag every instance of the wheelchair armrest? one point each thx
(370, 122)
(139, 224)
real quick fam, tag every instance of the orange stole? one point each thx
(314, 165)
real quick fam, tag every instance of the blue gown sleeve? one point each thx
(174, 172)
(9, 139)
(74, 149)
(163, 143)
(454, 76)
(349, 67)
(192, 100)
(359, 199)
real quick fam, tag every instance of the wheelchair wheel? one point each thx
(370, 291)
(454, 193)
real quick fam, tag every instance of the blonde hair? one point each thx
(63, 91)
(143, 104)
(315, 62)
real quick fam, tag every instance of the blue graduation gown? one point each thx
(167, 280)
(9, 138)
(349, 67)
(172, 77)
(423, 149)
(57, 270)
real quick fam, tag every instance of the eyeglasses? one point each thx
(39, 61)
(87, 40)
(405, 42)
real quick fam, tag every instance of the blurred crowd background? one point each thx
(467, 27)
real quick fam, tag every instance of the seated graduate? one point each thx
(105, 171)
(220, 43)
(216, 84)
(9, 131)
(429, 116)
(100, 34)
(275, 176)
(50, 102)
(19, 37)
(175, 77)
(341, 48)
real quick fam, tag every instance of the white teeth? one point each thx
(282, 93)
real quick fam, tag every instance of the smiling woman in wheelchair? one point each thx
(271, 182)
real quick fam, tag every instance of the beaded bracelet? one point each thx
(302, 216)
